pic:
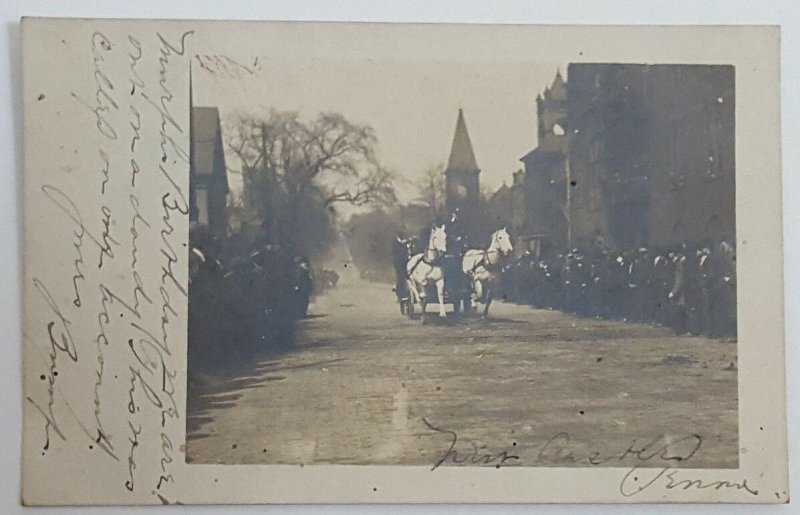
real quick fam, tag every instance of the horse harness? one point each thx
(430, 261)
(483, 262)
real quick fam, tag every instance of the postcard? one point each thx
(294, 262)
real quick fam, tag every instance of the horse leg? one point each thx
(477, 288)
(440, 292)
(423, 300)
(413, 297)
(488, 301)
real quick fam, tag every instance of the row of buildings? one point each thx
(626, 156)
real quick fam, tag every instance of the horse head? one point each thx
(438, 239)
(501, 241)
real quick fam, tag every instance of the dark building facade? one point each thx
(631, 156)
(208, 178)
(651, 154)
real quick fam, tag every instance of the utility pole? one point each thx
(568, 203)
(268, 200)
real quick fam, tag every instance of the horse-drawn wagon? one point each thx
(453, 279)
(457, 288)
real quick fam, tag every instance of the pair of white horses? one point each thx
(481, 267)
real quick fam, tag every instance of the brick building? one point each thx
(652, 153)
(632, 155)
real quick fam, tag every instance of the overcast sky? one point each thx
(412, 106)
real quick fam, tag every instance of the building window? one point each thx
(714, 228)
(712, 167)
(596, 150)
(201, 197)
(677, 180)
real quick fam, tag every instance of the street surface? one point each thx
(548, 388)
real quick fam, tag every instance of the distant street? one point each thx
(361, 379)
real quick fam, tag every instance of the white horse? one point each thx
(482, 266)
(423, 269)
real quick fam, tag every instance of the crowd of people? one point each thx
(244, 297)
(691, 289)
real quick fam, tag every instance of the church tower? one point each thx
(551, 109)
(462, 190)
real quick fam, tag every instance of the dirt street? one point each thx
(364, 385)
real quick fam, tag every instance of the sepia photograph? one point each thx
(322, 262)
(462, 263)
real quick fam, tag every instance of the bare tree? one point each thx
(431, 188)
(292, 168)
(329, 154)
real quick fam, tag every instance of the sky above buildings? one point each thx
(412, 106)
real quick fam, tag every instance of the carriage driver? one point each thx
(400, 254)
(457, 244)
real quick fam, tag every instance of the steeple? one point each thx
(462, 158)
(462, 176)
(557, 91)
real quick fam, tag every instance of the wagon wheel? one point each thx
(467, 306)
(458, 305)
(409, 308)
